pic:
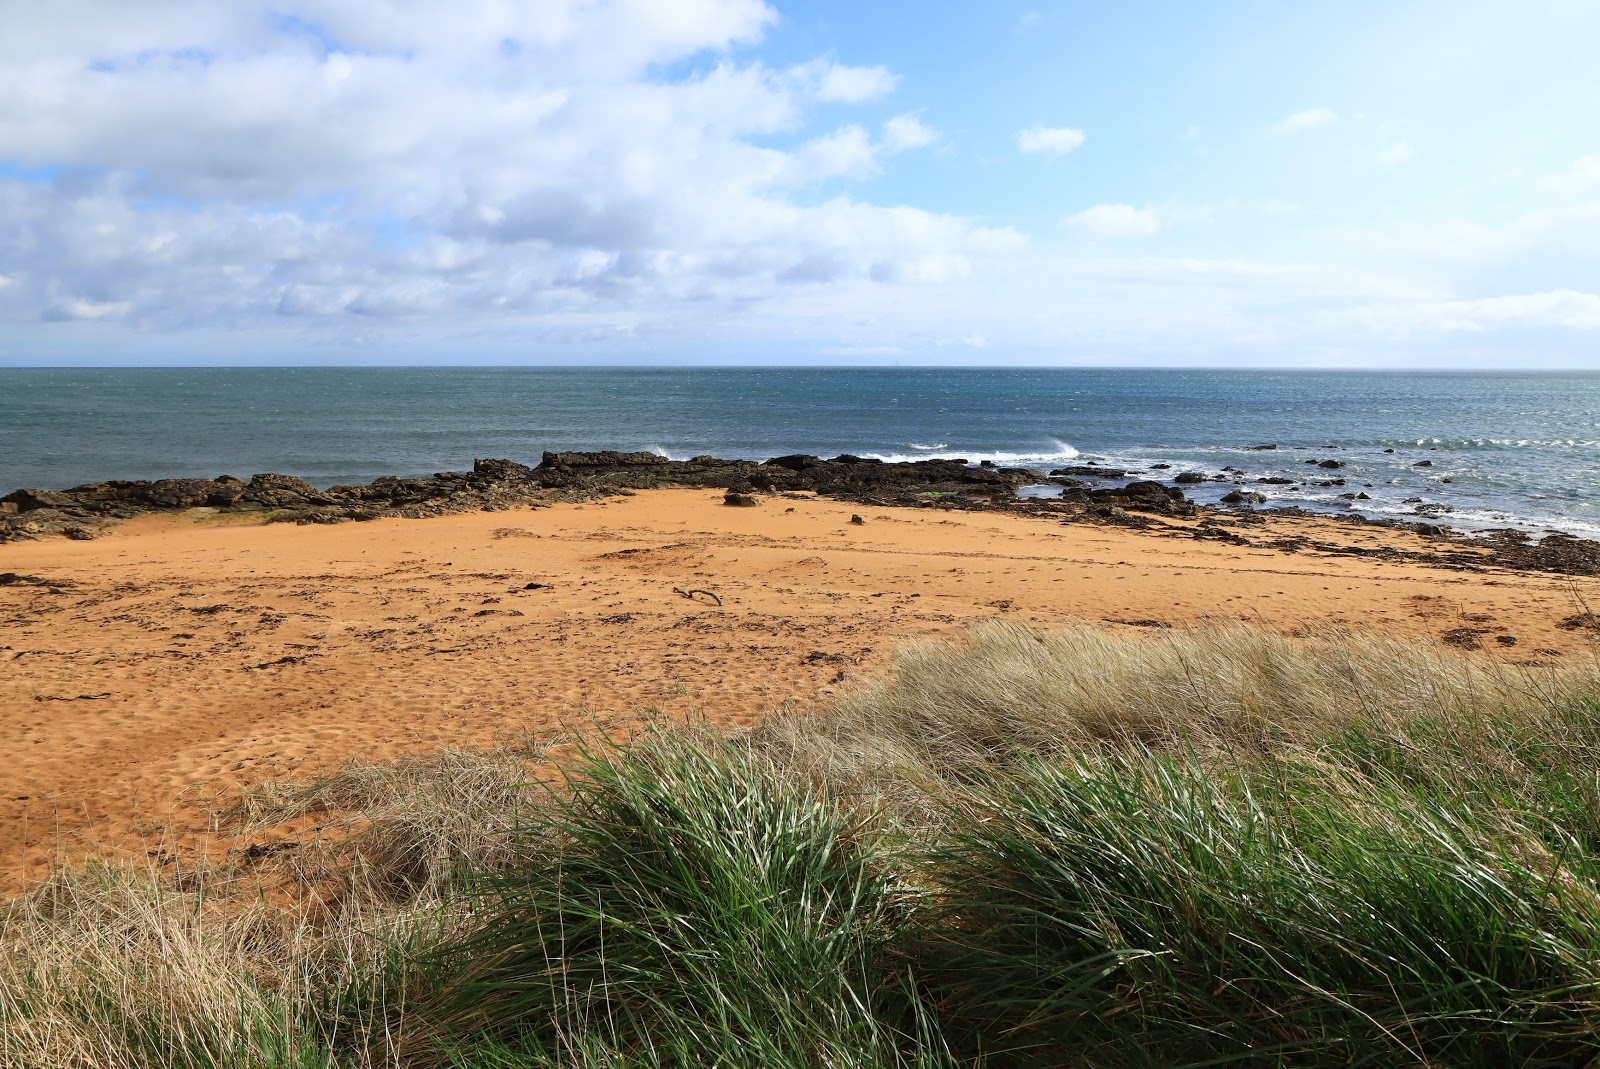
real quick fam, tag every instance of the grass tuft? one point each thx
(1213, 846)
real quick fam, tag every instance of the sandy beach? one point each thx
(155, 669)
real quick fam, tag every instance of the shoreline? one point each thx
(1082, 493)
(184, 654)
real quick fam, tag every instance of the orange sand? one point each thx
(189, 655)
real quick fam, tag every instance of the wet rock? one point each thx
(795, 461)
(1330, 463)
(1190, 477)
(1091, 470)
(1423, 464)
(1259, 448)
(1243, 497)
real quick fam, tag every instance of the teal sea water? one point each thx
(1505, 449)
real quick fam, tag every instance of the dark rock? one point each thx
(1190, 477)
(1330, 464)
(795, 461)
(1259, 448)
(282, 491)
(180, 493)
(605, 459)
(743, 501)
(1274, 480)
(1388, 450)
(503, 470)
(1092, 470)
(1423, 464)
(1243, 497)
(1160, 467)
(225, 491)
(857, 520)
(30, 500)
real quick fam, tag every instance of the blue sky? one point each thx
(730, 181)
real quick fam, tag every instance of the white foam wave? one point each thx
(935, 445)
(1060, 453)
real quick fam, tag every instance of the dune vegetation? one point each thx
(1206, 846)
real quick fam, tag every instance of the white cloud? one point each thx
(1056, 139)
(1301, 121)
(905, 132)
(1582, 177)
(1569, 309)
(1396, 154)
(836, 84)
(847, 151)
(224, 165)
(1115, 221)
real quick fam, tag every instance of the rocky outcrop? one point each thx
(494, 484)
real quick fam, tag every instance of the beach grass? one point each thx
(1204, 846)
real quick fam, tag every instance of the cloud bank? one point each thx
(221, 180)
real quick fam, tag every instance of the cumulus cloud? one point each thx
(1051, 139)
(905, 132)
(1302, 121)
(217, 163)
(837, 84)
(1115, 221)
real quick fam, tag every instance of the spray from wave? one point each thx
(1056, 452)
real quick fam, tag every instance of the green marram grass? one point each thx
(1215, 846)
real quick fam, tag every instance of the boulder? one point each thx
(179, 493)
(1190, 477)
(743, 501)
(1243, 497)
(282, 491)
(503, 471)
(30, 500)
(606, 459)
(795, 461)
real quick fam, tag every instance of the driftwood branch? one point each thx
(691, 593)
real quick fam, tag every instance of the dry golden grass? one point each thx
(1005, 690)
(146, 966)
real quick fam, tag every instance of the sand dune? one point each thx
(158, 667)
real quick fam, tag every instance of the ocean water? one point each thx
(1505, 449)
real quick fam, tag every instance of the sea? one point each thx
(1473, 450)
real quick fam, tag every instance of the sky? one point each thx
(1404, 183)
